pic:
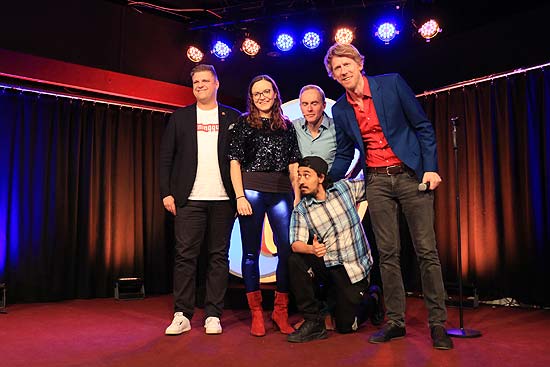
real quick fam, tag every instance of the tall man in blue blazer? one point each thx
(381, 117)
(195, 187)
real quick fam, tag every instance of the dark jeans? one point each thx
(278, 207)
(201, 221)
(352, 304)
(387, 195)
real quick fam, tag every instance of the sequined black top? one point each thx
(263, 150)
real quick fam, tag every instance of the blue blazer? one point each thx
(405, 125)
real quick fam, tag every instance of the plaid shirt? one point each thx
(336, 223)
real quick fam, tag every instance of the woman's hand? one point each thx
(243, 206)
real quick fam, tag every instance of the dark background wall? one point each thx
(478, 38)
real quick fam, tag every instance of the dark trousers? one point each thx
(387, 195)
(198, 222)
(351, 303)
(278, 207)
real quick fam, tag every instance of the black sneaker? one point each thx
(308, 331)
(378, 312)
(440, 338)
(388, 332)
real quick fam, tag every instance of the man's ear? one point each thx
(321, 177)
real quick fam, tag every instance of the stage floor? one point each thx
(107, 332)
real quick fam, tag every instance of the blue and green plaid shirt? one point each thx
(336, 223)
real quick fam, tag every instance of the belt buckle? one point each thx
(390, 168)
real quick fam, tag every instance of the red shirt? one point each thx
(377, 150)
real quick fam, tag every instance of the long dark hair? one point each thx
(278, 120)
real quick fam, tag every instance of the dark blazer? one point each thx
(178, 152)
(405, 125)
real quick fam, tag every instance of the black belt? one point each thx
(389, 170)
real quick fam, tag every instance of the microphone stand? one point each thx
(461, 332)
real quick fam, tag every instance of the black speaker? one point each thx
(470, 297)
(3, 308)
(129, 288)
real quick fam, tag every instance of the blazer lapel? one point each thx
(378, 100)
(222, 120)
(353, 126)
(193, 119)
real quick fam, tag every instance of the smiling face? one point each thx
(310, 183)
(205, 87)
(312, 106)
(347, 72)
(263, 97)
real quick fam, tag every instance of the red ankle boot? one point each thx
(280, 313)
(255, 304)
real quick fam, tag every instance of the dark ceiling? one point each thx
(479, 38)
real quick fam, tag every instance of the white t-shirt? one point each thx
(208, 182)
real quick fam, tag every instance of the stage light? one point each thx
(284, 42)
(386, 32)
(344, 36)
(221, 50)
(429, 30)
(194, 54)
(311, 40)
(250, 47)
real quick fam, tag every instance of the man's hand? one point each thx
(170, 204)
(319, 249)
(433, 178)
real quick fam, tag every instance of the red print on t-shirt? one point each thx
(207, 128)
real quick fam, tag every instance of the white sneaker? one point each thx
(180, 324)
(212, 325)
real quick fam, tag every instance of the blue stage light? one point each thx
(311, 40)
(386, 32)
(221, 50)
(284, 42)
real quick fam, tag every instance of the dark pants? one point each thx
(387, 195)
(201, 221)
(278, 207)
(351, 302)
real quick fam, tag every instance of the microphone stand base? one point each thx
(463, 333)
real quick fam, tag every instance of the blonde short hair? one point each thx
(340, 50)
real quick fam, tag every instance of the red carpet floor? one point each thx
(106, 332)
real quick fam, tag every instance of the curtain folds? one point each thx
(504, 185)
(79, 202)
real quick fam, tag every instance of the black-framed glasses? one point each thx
(264, 93)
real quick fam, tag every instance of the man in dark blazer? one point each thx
(381, 117)
(196, 188)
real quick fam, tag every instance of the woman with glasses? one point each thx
(264, 158)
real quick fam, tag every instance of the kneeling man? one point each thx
(339, 254)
